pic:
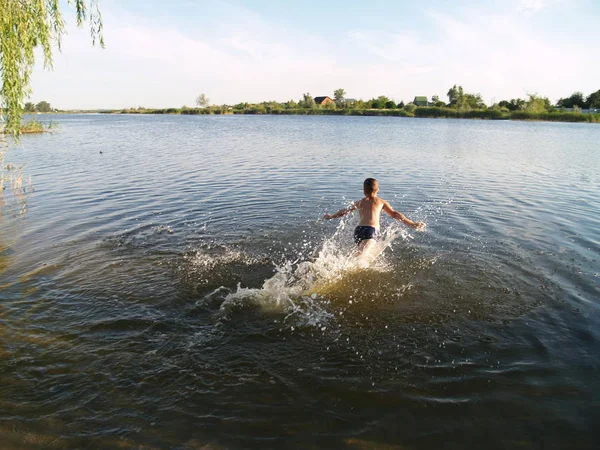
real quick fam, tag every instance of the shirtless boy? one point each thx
(369, 209)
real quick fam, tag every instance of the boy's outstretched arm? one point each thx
(399, 216)
(342, 212)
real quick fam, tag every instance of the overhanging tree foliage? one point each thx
(24, 26)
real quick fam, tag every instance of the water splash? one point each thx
(299, 288)
(206, 259)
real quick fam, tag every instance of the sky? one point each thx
(162, 54)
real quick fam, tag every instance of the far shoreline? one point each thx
(419, 112)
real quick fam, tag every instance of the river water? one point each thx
(168, 283)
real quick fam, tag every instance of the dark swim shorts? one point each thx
(362, 232)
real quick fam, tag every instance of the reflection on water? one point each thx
(178, 289)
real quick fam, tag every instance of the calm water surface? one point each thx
(170, 285)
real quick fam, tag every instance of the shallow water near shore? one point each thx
(171, 285)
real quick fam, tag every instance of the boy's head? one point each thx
(370, 186)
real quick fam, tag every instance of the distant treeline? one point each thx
(461, 105)
(421, 111)
(42, 106)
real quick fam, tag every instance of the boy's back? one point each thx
(369, 209)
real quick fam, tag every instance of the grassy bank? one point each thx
(330, 112)
(421, 112)
(497, 114)
(556, 116)
(35, 126)
(449, 113)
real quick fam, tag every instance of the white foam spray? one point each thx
(296, 289)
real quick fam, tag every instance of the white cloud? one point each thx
(156, 65)
(531, 5)
(534, 6)
(496, 55)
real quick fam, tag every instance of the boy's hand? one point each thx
(420, 226)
